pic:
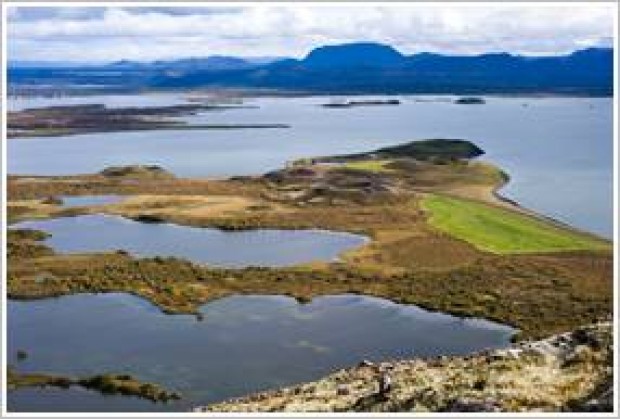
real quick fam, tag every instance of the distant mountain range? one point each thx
(214, 62)
(349, 68)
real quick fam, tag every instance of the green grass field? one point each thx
(369, 165)
(502, 231)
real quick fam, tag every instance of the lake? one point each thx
(557, 150)
(244, 344)
(234, 249)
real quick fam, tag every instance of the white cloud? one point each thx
(103, 34)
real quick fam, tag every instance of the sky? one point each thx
(103, 34)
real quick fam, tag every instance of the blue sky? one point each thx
(93, 34)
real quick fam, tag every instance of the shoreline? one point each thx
(277, 93)
(495, 196)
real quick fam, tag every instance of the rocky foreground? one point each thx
(572, 371)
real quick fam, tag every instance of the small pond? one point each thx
(88, 200)
(243, 344)
(235, 249)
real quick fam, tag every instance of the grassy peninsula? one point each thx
(93, 118)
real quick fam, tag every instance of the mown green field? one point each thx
(502, 231)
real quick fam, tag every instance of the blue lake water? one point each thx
(261, 247)
(88, 200)
(558, 151)
(244, 344)
(74, 399)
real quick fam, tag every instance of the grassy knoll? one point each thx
(501, 231)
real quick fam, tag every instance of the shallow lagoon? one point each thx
(235, 249)
(558, 151)
(244, 344)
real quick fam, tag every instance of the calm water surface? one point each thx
(74, 399)
(262, 247)
(88, 200)
(558, 151)
(244, 344)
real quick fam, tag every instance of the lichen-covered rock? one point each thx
(566, 372)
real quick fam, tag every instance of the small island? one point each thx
(353, 103)
(470, 100)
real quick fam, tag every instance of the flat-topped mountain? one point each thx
(354, 55)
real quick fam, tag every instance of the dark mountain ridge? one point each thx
(361, 67)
